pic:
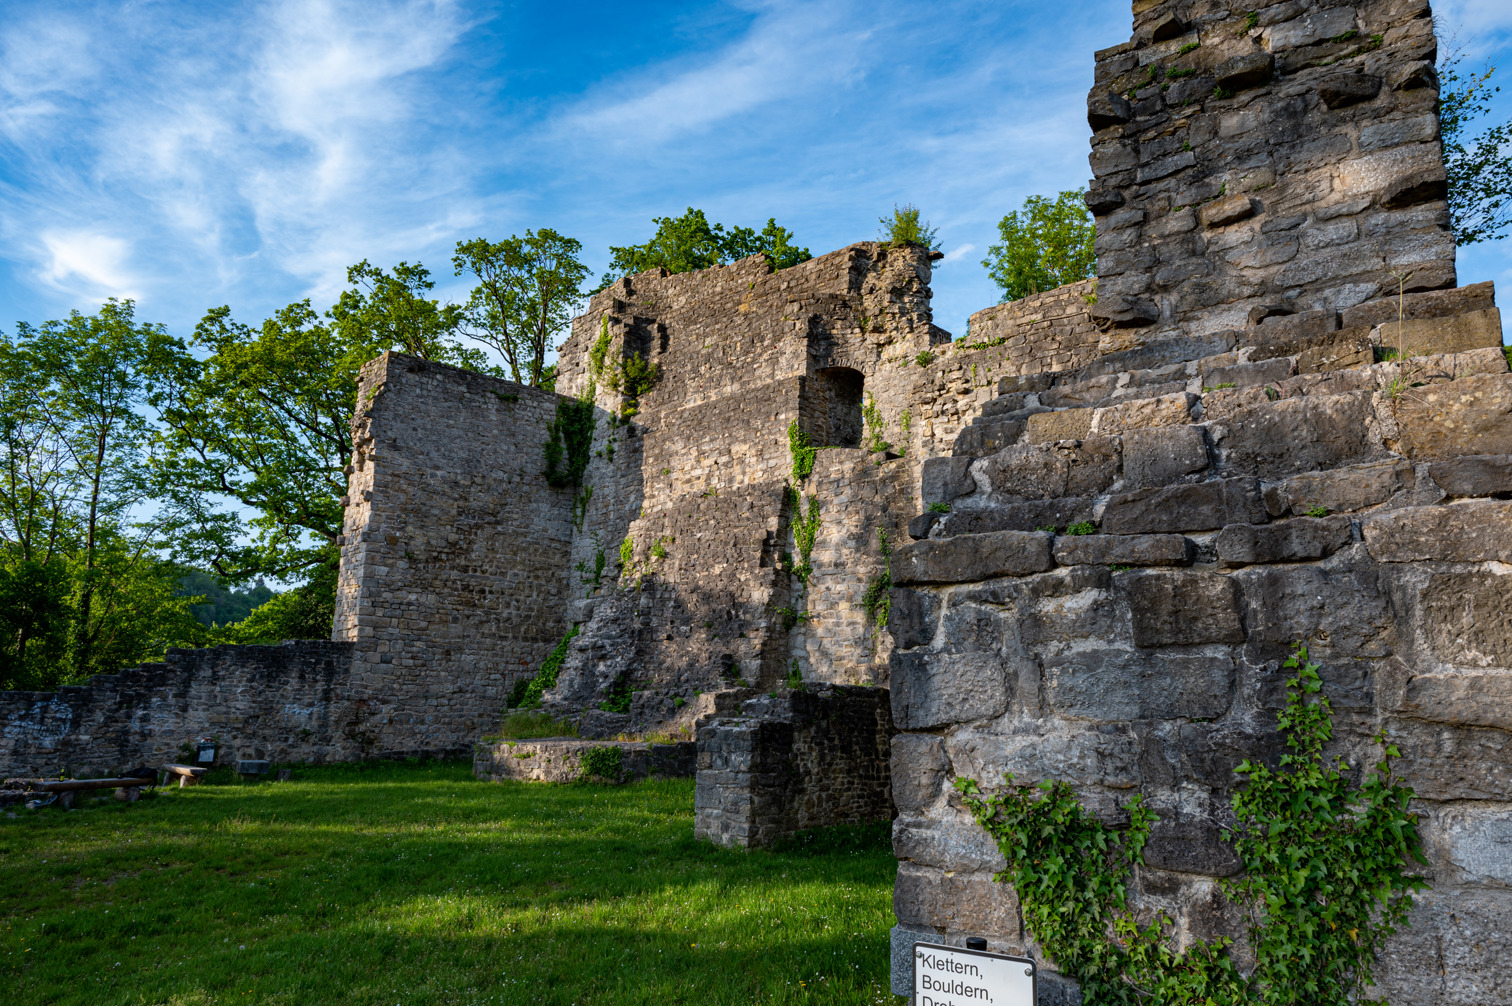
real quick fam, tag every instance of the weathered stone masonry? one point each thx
(1248, 246)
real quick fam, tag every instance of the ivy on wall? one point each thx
(1325, 879)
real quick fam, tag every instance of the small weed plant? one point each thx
(603, 762)
(939, 508)
(1081, 527)
(1325, 878)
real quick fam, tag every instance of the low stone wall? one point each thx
(281, 703)
(560, 759)
(794, 760)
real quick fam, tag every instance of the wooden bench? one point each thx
(127, 788)
(188, 775)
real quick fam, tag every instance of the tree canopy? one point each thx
(1479, 168)
(688, 242)
(527, 291)
(1047, 244)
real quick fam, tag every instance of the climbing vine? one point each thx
(569, 442)
(526, 693)
(1324, 881)
(876, 426)
(805, 532)
(877, 601)
(803, 453)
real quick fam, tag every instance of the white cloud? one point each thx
(959, 252)
(98, 260)
(790, 50)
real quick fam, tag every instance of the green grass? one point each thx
(416, 884)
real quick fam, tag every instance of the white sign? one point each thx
(950, 976)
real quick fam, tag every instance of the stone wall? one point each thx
(1291, 164)
(1243, 499)
(454, 565)
(560, 759)
(695, 476)
(791, 761)
(292, 702)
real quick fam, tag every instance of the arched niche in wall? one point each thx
(838, 401)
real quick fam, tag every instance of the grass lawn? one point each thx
(414, 883)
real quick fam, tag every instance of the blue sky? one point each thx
(196, 154)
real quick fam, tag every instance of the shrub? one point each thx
(905, 227)
(603, 763)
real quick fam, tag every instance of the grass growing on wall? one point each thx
(416, 884)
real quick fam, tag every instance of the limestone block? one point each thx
(1453, 334)
(1460, 532)
(928, 896)
(1317, 25)
(931, 689)
(1474, 475)
(1106, 757)
(1429, 304)
(1160, 456)
(950, 843)
(1467, 616)
(1350, 347)
(1200, 507)
(1114, 685)
(972, 557)
(1184, 608)
(1453, 762)
(920, 526)
(1062, 468)
(943, 479)
(1228, 210)
(1277, 439)
(1124, 550)
(1471, 415)
(1167, 410)
(1344, 490)
(1479, 841)
(919, 771)
(981, 439)
(1029, 516)
(1275, 335)
(1461, 699)
(1106, 109)
(1289, 541)
(1247, 375)
(1339, 90)
(912, 618)
(1340, 606)
(1245, 71)
(1473, 937)
(1049, 427)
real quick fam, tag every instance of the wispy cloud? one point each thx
(98, 261)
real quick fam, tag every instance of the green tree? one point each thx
(84, 582)
(689, 242)
(391, 310)
(905, 227)
(527, 291)
(1479, 168)
(1045, 245)
(264, 418)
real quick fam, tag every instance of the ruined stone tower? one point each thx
(1272, 418)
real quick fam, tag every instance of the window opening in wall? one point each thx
(840, 401)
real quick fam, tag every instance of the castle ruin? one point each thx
(1275, 408)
